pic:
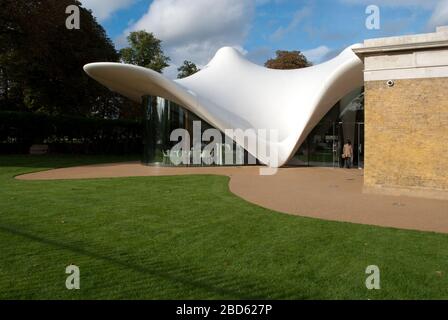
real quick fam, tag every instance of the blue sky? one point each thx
(195, 29)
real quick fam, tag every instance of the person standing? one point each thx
(347, 154)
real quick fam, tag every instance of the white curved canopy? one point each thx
(234, 93)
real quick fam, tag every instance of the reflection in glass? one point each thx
(323, 146)
(162, 117)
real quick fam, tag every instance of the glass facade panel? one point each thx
(344, 122)
(323, 146)
(162, 117)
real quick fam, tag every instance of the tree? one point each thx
(41, 61)
(288, 60)
(144, 50)
(187, 69)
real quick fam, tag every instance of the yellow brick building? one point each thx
(406, 114)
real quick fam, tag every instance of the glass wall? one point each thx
(162, 117)
(324, 145)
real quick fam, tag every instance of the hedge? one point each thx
(68, 134)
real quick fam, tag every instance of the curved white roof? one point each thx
(234, 93)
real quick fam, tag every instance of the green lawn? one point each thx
(190, 238)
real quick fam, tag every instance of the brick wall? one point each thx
(406, 134)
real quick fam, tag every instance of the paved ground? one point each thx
(332, 194)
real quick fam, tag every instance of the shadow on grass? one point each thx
(242, 289)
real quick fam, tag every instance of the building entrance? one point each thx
(353, 132)
(324, 144)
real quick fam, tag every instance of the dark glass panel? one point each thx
(162, 117)
(323, 146)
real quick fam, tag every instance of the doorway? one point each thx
(353, 131)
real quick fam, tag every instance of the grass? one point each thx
(188, 237)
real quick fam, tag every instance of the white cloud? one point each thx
(260, 55)
(171, 71)
(103, 9)
(195, 30)
(440, 15)
(439, 8)
(426, 4)
(317, 54)
(299, 15)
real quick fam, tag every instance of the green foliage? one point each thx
(187, 69)
(288, 60)
(19, 130)
(41, 61)
(144, 50)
